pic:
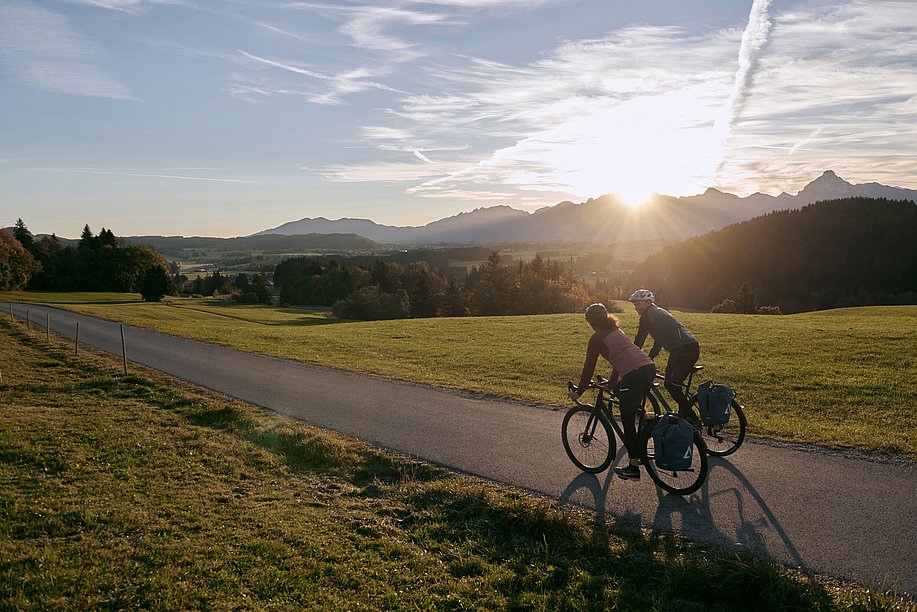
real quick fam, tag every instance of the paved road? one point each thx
(837, 515)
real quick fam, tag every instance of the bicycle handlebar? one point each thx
(599, 383)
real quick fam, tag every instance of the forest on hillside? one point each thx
(850, 252)
(94, 263)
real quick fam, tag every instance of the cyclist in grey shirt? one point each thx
(669, 334)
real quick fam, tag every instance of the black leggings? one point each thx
(631, 390)
(681, 360)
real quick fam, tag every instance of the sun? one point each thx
(634, 197)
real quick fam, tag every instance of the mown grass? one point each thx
(141, 492)
(840, 378)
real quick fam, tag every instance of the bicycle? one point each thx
(588, 433)
(721, 440)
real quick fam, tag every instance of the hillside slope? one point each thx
(855, 251)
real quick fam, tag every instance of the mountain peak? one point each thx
(828, 186)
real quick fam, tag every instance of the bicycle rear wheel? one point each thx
(680, 482)
(722, 440)
(588, 439)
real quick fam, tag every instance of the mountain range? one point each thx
(605, 219)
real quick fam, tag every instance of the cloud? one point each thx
(367, 27)
(386, 28)
(583, 119)
(386, 172)
(143, 175)
(51, 55)
(837, 80)
(125, 6)
(337, 85)
(422, 157)
(652, 106)
(754, 38)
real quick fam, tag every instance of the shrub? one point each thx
(727, 306)
(769, 310)
(249, 297)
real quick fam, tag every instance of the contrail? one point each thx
(137, 174)
(753, 40)
(422, 157)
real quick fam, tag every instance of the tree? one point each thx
(262, 288)
(23, 235)
(746, 303)
(16, 264)
(454, 299)
(493, 293)
(86, 237)
(155, 284)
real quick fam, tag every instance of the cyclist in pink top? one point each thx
(629, 363)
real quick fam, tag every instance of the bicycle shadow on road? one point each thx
(753, 518)
(598, 487)
(694, 517)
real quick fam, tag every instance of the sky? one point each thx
(227, 117)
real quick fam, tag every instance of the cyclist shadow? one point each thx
(693, 516)
(598, 486)
(754, 518)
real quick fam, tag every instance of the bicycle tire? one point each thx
(722, 440)
(591, 451)
(679, 482)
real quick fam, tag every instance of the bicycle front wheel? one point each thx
(680, 482)
(725, 439)
(588, 439)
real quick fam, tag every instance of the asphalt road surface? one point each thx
(840, 515)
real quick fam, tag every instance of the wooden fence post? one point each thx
(76, 345)
(48, 327)
(28, 321)
(124, 350)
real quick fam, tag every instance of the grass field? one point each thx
(842, 378)
(139, 492)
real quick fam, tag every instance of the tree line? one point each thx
(95, 263)
(390, 290)
(856, 251)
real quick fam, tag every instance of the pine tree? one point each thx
(746, 303)
(155, 284)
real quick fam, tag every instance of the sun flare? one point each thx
(662, 144)
(634, 197)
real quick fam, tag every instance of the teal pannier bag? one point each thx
(714, 403)
(673, 442)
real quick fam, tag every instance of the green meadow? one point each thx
(141, 492)
(840, 378)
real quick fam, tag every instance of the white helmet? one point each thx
(641, 294)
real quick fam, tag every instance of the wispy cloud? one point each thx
(125, 6)
(51, 54)
(337, 85)
(583, 119)
(652, 106)
(386, 172)
(143, 175)
(838, 79)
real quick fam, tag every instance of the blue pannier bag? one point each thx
(714, 403)
(673, 443)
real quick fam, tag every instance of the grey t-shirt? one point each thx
(666, 330)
